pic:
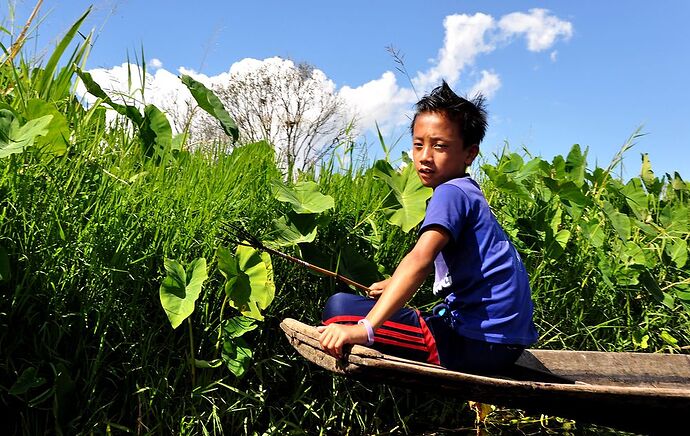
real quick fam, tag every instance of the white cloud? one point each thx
(487, 85)
(382, 100)
(465, 39)
(541, 29)
(379, 101)
(155, 63)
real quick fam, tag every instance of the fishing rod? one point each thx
(241, 236)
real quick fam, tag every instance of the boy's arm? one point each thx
(408, 276)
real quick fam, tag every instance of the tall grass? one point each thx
(84, 229)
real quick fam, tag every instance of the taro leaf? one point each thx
(640, 339)
(259, 270)
(155, 132)
(677, 182)
(575, 165)
(652, 183)
(677, 249)
(593, 232)
(506, 184)
(562, 238)
(4, 265)
(294, 230)
(95, 89)
(27, 380)
(55, 141)
(16, 138)
(652, 286)
(636, 198)
(180, 289)
(674, 217)
(237, 286)
(238, 325)
(209, 102)
(670, 340)
(633, 254)
(406, 206)
(619, 221)
(237, 355)
(304, 197)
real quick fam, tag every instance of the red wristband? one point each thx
(370, 331)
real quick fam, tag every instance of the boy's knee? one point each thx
(338, 304)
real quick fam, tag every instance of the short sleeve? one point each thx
(449, 207)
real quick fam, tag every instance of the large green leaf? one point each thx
(258, 269)
(636, 197)
(652, 183)
(15, 138)
(155, 133)
(405, 205)
(26, 381)
(304, 197)
(237, 286)
(575, 165)
(294, 229)
(95, 89)
(209, 102)
(56, 139)
(677, 249)
(180, 289)
(237, 355)
(619, 221)
(238, 325)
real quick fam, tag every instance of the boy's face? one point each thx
(438, 149)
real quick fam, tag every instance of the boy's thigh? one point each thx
(402, 335)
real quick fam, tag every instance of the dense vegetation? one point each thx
(99, 221)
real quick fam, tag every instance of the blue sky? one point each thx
(621, 65)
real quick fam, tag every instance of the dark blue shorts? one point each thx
(425, 338)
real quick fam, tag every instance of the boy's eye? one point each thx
(439, 145)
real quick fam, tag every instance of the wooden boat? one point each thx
(638, 392)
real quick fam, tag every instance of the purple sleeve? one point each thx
(447, 208)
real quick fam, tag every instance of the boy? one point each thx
(485, 321)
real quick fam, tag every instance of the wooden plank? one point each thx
(624, 390)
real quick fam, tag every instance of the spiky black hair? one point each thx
(470, 114)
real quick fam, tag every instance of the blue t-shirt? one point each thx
(479, 271)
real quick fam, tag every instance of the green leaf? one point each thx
(27, 380)
(56, 139)
(259, 270)
(562, 238)
(4, 265)
(296, 229)
(155, 132)
(594, 233)
(238, 325)
(640, 339)
(304, 197)
(237, 355)
(619, 221)
(357, 267)
(670, 340)
(209, 102)
(207, 364)
(677, 249)
(575, 165)
(180, 289)
(95, 89)
(636, 198)
(237, 286)
(15, 138)
(407, 204)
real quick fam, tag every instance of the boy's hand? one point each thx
(376, 289)
(334, 336)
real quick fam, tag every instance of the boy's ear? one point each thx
(472, 154)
